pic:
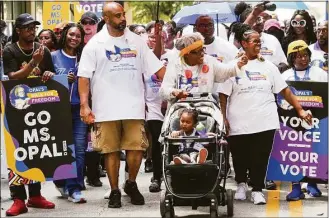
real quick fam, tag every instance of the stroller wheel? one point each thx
(166, 206)
(213, 214)
(229, 201)
(214, 208)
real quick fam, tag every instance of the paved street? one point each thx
(97, 205)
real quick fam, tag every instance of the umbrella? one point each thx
(221, 12)
(298, 5)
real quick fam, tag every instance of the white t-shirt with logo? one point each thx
(195, 78)
(271, 49)
(153, 99)
(317, 53)
(317, 57)
(252, 107)
(222, 50)
(115, 66)
(316, 74)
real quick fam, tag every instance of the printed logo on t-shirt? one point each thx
(219, 58)
(154, 84)
(62, 70)
(318, 63)
(255, 75)
(266, 51)
(117, 53)
(188, 84)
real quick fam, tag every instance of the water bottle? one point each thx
(201, 129)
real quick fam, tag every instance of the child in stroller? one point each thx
(193, 152)
(194, 184)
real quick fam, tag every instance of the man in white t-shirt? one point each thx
(114, 62)
(320, 48)
(217, 47)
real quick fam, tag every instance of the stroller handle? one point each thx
(198, 94)
(187, 139)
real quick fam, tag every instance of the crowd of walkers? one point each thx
(152, 65)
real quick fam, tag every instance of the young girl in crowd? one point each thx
(66, 61)
(189, 152)
(48, 38)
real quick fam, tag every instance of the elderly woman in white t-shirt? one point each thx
(252, 116)
(194, 71)
(299, 59)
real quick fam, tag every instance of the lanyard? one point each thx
(306, 76)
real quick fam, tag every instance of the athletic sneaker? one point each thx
(77, 197)
(258, 198)
(241, 190)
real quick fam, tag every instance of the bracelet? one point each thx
(33, 64)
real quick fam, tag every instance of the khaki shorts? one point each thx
(113, 136)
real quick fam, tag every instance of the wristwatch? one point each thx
(33, 64)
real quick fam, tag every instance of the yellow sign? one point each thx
(54, 13)
(80, 7)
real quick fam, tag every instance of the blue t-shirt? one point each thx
(64, 64)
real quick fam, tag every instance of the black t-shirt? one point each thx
(14, 59)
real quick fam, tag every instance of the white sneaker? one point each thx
(241, 190)
(107, 194)
(304, 187)
(258, 198)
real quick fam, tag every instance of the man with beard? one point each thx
(217, 47)
(21, 59)
(114, 62)
(320, 48)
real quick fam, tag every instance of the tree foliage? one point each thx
(145, 11)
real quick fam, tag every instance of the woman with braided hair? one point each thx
(66, 61)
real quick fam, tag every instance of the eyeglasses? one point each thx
(209, 25)
(30, 28)
(256, 41)
(301, 56)
(58, 33)
(199, 52)
(88, 22)
(296, 23)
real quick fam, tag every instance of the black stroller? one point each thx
(196, 184)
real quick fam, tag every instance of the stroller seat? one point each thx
(207, 121)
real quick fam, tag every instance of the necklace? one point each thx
(24, 52)
(306, 76)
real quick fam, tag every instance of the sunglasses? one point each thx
(296, 23)
(259, 20)
(30, 28)
(88, 22)
(199, 52)
(58, 33)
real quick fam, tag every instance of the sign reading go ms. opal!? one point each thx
(300, 151)
(37, 130)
